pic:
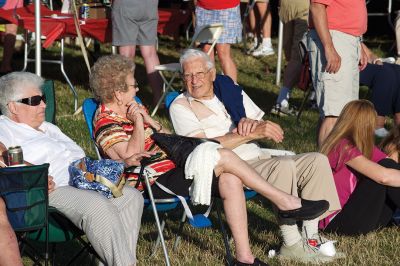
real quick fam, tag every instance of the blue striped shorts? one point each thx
(230, 18)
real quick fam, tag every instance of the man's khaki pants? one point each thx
(307, 176)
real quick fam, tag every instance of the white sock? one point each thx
(283, 97)
(290, 234)
(310, 228)
(267, 42)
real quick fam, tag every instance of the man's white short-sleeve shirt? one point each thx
(217, 124)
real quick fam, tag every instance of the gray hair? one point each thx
(189, 54)
(12, 87)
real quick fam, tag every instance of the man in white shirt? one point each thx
(111, 225)
(199, 113)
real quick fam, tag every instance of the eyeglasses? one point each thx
(197, 75)
(135, 86)
(32, 101)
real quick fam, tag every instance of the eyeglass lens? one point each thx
(34, 100)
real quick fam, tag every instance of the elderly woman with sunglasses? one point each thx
(111, 225)
(123, 127)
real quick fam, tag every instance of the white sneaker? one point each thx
(381, 132)
(304, 252)
(263, 50)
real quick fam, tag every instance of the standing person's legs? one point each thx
(111, 225)
(135, 24)
(265, 23)
(128, 51)
(227, 64)
(151, 60)
(8, 48)
(253, 24)
(8, 242)
(293, 33)
(224, 55)
(334, 90)
(232, 33)
(10, 37)
(265, 19)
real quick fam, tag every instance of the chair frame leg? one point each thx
(157, 242)
(156, 218)
(180, 230)
(303, 103)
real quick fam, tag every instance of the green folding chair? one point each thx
(48, 91)
(24, 191)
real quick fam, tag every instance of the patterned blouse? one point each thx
(110, 128)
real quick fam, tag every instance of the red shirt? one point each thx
(217, 4)
(348, 16)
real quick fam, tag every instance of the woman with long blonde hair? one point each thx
(366, 180)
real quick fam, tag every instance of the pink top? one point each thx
(11, 4)
(348, 16)
(345, 180)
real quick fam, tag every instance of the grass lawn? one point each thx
(205, 246)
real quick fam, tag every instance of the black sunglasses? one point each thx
(33, 101)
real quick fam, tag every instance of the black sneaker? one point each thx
(256, 262)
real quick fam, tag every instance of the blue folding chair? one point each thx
(89, 108)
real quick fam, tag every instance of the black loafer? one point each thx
(256, 262)
(309, 210)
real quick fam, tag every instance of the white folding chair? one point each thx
(206, 34)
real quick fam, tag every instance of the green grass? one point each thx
(205, 246)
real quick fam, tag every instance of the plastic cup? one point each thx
(328, 248)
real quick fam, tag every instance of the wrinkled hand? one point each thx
(51, 184)
(245, 126)
(363, 60)
(146, 117)
(333, 60)
(268, 130)
(137, 157)
(134, 111)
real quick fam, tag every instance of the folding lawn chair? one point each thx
(24, 191)
(89, 108)
(208, 33)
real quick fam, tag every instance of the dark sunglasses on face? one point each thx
(33, 101)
